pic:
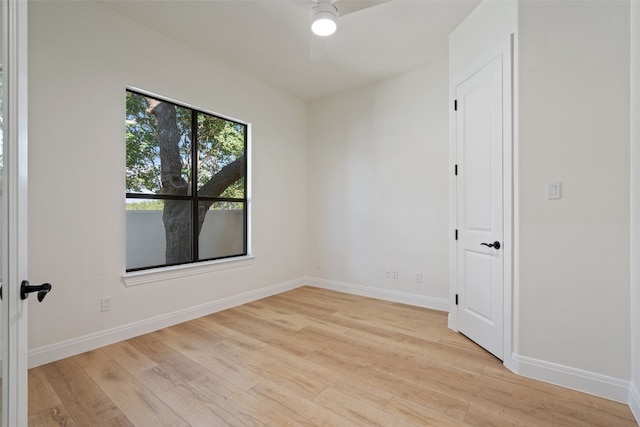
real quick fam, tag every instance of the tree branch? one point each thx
(223, 179)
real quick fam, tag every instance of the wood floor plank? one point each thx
(90, 358)
(220, 363)
(312, 308)
(138, 404)
(170, 362)
(496, 415)
(419, 415)
(85, 401)
(281, 373)
(283, 318)
(248, 409)
(459, 343)
(41, 394)
(209, 322)
(311, 298)
(300, 409)
(45, 407)
(355, 410)
(309, 356)
(255, 328)
(188, 333)
(51, 417)
(419, 328)
(430, 398)
(129, 357)
(195, 408)
(397, 345)
(350, 385)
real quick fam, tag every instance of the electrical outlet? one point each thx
(394, 274)
(105, 304)
(418, 277)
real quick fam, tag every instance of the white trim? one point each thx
(15, 218)
(441, 304)
(452, 321)
(249, 188)
(174, 272)
(57, 351)
(573, 378)
(634, 401)
(509, 243)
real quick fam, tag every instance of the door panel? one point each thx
(479, 292)
(477, 157)
(479, 145)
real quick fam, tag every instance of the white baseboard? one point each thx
(440, 304)
(72, 347)
(573, 378)
(634, 401)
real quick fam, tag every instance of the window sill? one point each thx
(178, 271)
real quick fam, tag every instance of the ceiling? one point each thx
(271, 39)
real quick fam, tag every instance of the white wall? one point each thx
(82, 56)
(574, 128)
(378, 197)
(635, 209)
(476, 40)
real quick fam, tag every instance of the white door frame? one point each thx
(507, 51)
(14, 312)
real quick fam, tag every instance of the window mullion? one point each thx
(194, 186)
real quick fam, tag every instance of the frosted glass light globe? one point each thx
(324, 23)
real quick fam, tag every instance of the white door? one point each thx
(479, 210)
(13, 162)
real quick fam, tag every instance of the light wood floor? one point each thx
(305, 357)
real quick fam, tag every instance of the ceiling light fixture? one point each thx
(324, 18)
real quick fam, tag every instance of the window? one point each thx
(186, 184)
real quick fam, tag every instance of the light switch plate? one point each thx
(554, 190)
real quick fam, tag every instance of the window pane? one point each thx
(221, 144)
(173, 150)
(222, 232)
(157, 133)
(159, 232)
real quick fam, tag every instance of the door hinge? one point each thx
(455, 105)
(456, 234)
(456, 299)
(455, 170)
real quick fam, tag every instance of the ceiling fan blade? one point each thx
(346, 7)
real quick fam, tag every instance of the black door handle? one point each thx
(495, 244)
(26, 289)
